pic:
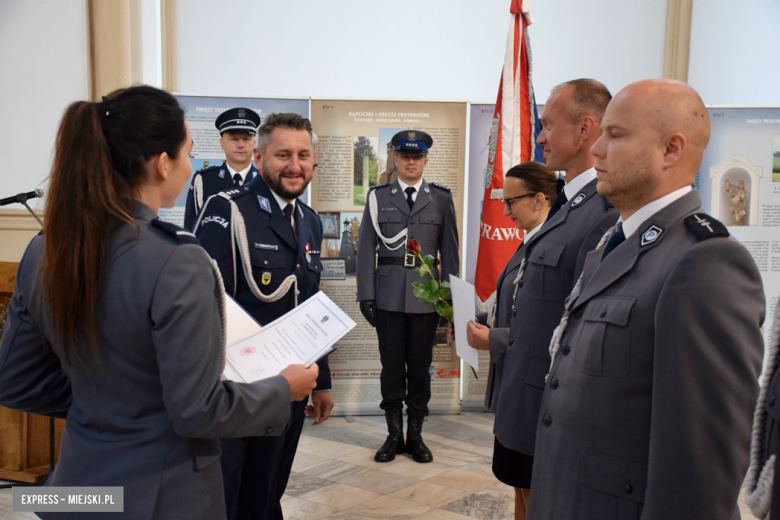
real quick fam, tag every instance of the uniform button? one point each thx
(269, 431)
(298, 266)
(432, 220)
(603, 313)
(541, 257)
(410, 236)
(411, 223)
(554, 383)
(578, 313)
(315, 267)
(265, 262)
(520, 284)
(547, 421)
(629, 488)
(771, 400)
(514, 313)
(566, 350)
(511, 340)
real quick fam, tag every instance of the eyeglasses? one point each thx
(508, 202)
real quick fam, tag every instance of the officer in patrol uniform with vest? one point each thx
(237, 128)
(266, 243)
(647, 408)
(409, 209)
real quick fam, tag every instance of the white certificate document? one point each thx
(301, 336)
(463, 311)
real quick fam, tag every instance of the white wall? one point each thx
(442, 49)
(44, 65)
(734, 52)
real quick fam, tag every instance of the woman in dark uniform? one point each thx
(529, 191)
(115, 321)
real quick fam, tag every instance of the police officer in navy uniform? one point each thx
(409, 209)
(237, 128)
(266, 243)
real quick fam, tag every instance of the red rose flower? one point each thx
(413, 246)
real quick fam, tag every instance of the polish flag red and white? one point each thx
(512, 141)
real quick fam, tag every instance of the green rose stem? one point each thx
(430, 292)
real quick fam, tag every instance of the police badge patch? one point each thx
(579, 199)
(264, 204)
(651, 235)
(265, 279)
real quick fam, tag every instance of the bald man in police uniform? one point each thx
(409, 209)
(647, 408)
(273, 254)
(237, 128)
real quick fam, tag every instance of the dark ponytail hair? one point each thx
(99, 165)
(536, 178)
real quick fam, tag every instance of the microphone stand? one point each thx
(31, 211)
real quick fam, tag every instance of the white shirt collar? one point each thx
(575, 186)
(415, 186)
(242, 173)
(632, 223)
(282, 203)
(531, 233)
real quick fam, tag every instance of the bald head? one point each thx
(654, 133)
(672, 106)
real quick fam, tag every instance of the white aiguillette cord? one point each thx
(238, 231)
(372, 208)
(555, 343)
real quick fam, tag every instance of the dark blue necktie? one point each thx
(237, 180)
(409, 192)
(288, 215)
(615, 240)
(560, 200)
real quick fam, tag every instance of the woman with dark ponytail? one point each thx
(115, 321)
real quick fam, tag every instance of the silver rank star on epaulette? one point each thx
(445, 188)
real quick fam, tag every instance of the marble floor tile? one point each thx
(440, 514)
(485, 440)
(340, 496)
(334, 470)
(306, 460)
(305, 440)
(454, 453)
(301, 483)
(379, 481)
(431, 436)
(483, 467)
(448, 461)
(473, 448)
(365, 458)
(327, 430)
(429, 494)
(297, 509)
(329, 449)
(363, 438)
(7, 514)
(6, 499)
(505, 489)
(456, 431)
(465, 480)
(346, 515)
(390, 508)
(484, 505)
(416, 470)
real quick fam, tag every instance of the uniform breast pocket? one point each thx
(315, 265)
(543, 279)
(267, 267)
(603, 344)
(430, 225)
(611, 488)
(390, 222)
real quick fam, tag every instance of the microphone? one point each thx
(22, 197)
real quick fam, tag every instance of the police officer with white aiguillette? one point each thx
(237, 128)
(405, 210)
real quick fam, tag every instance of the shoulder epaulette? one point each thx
(385, 185)
(181, 235)
(233, 193)
(704, 226)
(445, 188)
(207, 168)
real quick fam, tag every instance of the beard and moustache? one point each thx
(276, 185)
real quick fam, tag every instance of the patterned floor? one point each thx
(335, 477)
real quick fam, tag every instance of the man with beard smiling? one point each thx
(283, 237)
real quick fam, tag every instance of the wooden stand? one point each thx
(26, 440)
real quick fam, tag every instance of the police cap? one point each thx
(412, 141)
(238, 121)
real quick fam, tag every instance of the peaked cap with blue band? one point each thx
(413, 142)
(238, 120)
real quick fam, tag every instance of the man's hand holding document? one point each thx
(300, 337)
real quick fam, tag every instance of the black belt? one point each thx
(406, 261)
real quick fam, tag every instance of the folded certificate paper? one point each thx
(301, 336)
